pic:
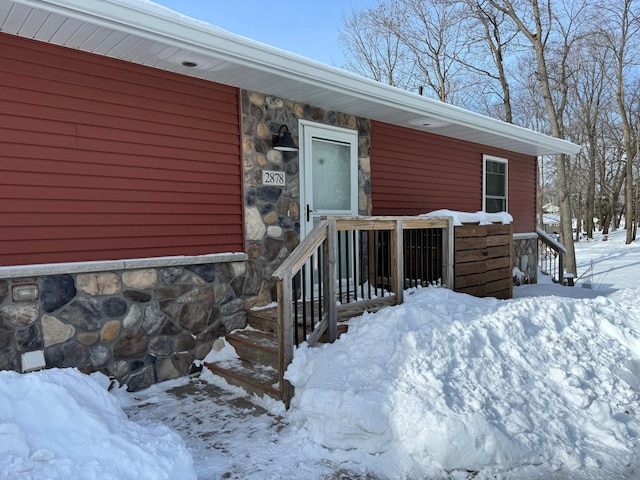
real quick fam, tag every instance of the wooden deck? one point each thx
(476, 260)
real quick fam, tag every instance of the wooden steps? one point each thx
(265, 319)
(256, 370)
(254, 378)
(255, 346)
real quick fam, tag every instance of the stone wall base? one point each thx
(140, 326)
(525, 258)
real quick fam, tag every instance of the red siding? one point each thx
(102, 160)
(416, 172)
(523, 181)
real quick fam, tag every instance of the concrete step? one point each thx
(255, 379)
(255, 346)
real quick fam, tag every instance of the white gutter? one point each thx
(153, 22)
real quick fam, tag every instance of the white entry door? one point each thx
(329, 186)
(329, 173)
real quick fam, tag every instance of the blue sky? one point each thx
(305, 27)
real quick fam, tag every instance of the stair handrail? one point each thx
(322, 234)
(557, 247)
(294, 262)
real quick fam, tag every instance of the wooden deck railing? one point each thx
(348, 265)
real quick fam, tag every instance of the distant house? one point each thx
(551, 222)
(551, 208)
(144, 206)
(550, 218)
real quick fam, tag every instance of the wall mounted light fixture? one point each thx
(283, 141)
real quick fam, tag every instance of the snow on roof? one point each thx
(550, 208)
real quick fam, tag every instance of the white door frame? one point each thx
(307, 131)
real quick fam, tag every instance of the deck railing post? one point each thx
(285, 335)
(397, 261)
(329, 280)
(448, 247)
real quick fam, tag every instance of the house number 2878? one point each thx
(270, 177)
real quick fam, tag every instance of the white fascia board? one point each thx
(459, 116)
(154, 22)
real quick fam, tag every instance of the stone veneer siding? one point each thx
(525, 256)
(140, 326)
(272, 214)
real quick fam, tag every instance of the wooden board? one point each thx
(483, 260)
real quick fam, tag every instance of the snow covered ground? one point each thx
(445, 386)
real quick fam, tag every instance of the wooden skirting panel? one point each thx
(483, 263)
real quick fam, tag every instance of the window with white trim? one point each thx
(495, 185)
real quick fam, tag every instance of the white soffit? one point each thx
(142, 32)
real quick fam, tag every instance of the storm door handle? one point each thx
(309, 210)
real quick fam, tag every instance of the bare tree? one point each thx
(376, 51)
(551, 35)
(566, 68)
(611, 174)
(434, 32)
(588, 105)
(620, 30)
(491, 49)
(412, 44)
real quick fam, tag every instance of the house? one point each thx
(550, 208)
(551, 223)
(144, 206)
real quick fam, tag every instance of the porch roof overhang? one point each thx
(145, 33)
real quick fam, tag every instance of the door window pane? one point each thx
(331, 175)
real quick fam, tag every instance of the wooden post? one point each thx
(511, 258)
(329, 280)
(397, 261)
(448, 247)
(285, 335)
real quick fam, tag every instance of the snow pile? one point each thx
(482, 218)
(61, 424)
(535, 387)
(448, 383)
